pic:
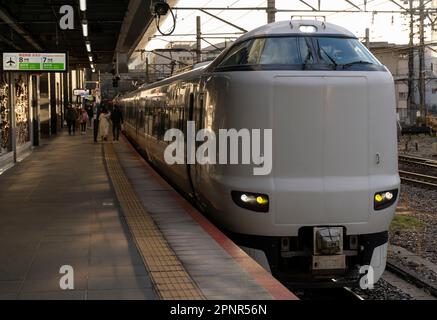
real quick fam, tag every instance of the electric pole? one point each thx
(422, 85)
(199, 40)
(271, 11)
(411, 96)
(367, 38)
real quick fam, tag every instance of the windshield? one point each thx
(299, 53)
(264, 51)
(343, 51)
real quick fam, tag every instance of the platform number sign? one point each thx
(42, 62)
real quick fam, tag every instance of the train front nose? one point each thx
(321, 150)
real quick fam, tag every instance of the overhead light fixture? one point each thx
(85, 28)
(88, 46)
(91, 58)
(82, 5)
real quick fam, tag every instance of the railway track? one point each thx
(327, 294)
(417, 161)
(411, 278)
(418, 179)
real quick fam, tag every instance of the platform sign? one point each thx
(37, 62)
(81, 92)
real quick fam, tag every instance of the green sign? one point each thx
(35, 62)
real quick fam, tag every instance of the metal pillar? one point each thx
(11, 80)
(35, 110)
(52, 105)
(147, 70)
(367, 37)
(422, 85)
(411, 95)
(199, 39)
(271, 11)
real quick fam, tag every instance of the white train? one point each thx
(325, 209)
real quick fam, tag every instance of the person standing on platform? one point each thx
(117, 121)
(71, 120)
(104, 125)
(84, 121)
(78, 117)
(90, 112)
(96, 112)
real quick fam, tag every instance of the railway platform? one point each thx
(102, 216)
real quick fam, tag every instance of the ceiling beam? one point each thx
(10, 43)
(353, 4)
(22, 32)
(393, 1)
(307, 4)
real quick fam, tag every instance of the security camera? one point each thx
(159, 8)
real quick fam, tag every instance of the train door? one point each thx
(197, 106)
(137, 116)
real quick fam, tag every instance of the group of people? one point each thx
(78, 117)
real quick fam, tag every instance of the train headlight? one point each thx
(385, 199)
(251, 201)
(308, 29)
(262, 200)
(247, 199)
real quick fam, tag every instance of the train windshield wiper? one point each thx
(347, 65)
(334, 63)
(307, 60)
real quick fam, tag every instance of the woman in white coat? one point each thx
(104, 125)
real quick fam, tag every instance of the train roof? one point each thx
(196, 71)
(313, 27)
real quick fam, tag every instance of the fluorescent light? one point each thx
(91, 58)
(88, 46)
(82, 5)
(85, 28)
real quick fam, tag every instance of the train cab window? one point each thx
(305, 51)
(344, 52)
(298, 52)
(280, 51)
(265, 52)
(238, 55)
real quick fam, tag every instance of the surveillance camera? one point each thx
(159, 8)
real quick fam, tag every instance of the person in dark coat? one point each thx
(90, 111)
(97, 122)
(117, 121)
(71, 120)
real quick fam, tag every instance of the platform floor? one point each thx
(60, 207)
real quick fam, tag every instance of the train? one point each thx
(320, 215)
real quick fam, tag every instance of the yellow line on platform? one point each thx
(169, 277)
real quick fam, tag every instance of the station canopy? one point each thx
(33, 26)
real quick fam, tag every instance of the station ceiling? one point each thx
(29, 25)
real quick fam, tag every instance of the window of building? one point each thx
(403, 95)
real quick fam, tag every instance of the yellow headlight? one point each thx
(379, 198)
(262, 200)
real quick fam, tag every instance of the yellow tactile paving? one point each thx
(169, 277)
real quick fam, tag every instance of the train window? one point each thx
(256, 51)
(343, 51)
(191, 107)
(283, 50)
(295, 53)
(238, 55)
(156, 122)
(305, 51)
(264, 52)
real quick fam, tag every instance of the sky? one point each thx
(390, 27)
